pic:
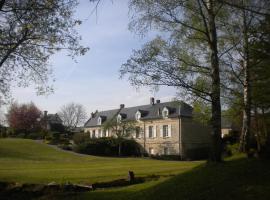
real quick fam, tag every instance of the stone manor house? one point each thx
(161, 128)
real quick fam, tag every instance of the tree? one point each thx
(72, 115)
(24, 118)
(32, 31)
(186, 57)
(241, 34)
(121, 129)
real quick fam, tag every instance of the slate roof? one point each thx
(54, 119)
(176, 109)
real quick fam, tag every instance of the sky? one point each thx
(93, 80)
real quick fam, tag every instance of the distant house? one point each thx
(52, 122)
(161, 128)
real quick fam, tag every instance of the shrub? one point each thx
(79, 138)
(107, 147)
(35, 136)
(231, 149)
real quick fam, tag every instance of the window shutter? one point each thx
(147, 131)
(169, 130)
(154, 131)
(161, 131)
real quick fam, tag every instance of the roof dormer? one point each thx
(165, 112)
(138, 115)
(101, 119)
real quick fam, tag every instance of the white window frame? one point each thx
(99, 121)
(119, 118)
(138, 115)
(165, 131)
(165, 112)
(151, 151)
(151, 133)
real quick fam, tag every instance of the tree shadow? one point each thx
(239, 178)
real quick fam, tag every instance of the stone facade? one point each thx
(170, 135)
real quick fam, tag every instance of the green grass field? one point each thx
(237, 178)
(27, 161)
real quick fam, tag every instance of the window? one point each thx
(99, 133)
(166, 151)
(103, 133)
(165, 112)
(138, 115)
(165, 131)
(99, 121)
(137, 132)
(150, 131)
(94, 134)
(151, 151)
(119, 118)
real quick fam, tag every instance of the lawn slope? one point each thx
(27, 161)
(237, 178)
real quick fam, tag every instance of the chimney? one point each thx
(92, 115)
(157, 101)
(45, 113)
(152, 100)
(122, 106)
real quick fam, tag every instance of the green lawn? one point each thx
(27, 161)
(237, 178)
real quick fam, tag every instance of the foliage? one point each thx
(72, 115)
(108, 146)
(185, 55)
(79, 138)
(202, 112)
(31, 32)
(24, 118)
(121, 130)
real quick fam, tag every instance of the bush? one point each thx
(35, 136)
(79, 138)
(231, 149)
(107, 147)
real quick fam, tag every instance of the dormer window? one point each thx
(138, 115)
(119, 118)
(165, 112)
(99, 120)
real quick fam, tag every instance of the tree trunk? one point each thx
(216, 151)
(245, 134)
(258, 132)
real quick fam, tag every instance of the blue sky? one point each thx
(94, 79)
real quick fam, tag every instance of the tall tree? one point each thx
(186, 56)
(241, 34)
(72, 115)
(32, 31)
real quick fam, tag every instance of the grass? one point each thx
(236, 178)
(27, 161)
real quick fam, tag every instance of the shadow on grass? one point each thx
(239, 178)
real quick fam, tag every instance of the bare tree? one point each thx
(72, 115)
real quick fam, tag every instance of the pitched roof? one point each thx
(176, 109)
(54, 119)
